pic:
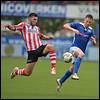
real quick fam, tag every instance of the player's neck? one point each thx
(85, 25)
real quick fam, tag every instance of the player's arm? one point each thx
(68, 27)
(18, 27)
(10, 27)
(93, 40)
(45, 37)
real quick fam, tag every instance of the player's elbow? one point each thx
(65, 26)
(14, 28)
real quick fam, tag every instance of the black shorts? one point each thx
(33, 55)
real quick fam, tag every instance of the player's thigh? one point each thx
(31, 60)
(40, 51)
(73, 50)
(30, 66)
(77, 51)
(80, 52)
(48, 48)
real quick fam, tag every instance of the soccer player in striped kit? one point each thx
(35, 48)
(83, 33)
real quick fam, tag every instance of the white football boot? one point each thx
(13, 73)
(58, 85)
(53, 71)
(74, 76)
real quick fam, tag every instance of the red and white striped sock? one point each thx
(53, 58)
(21, 72)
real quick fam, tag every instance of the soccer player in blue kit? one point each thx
(83, 33)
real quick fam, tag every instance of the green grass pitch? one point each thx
(42, 85)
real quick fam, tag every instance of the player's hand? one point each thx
(10, 27)
(6, 26)
(93, 40)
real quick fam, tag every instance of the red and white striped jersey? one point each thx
(30, 34)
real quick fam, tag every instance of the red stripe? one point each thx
(38, 41)
(52, 55)
(34, 41)
(30, 44)
(19, 26)
(24, 34)
(53, 51)
(53, 59)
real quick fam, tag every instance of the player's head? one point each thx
(33, 18)
(88, 20)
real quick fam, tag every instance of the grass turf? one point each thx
(42, 85)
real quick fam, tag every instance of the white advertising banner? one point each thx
(79, 11)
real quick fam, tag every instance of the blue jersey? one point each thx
(81, 40)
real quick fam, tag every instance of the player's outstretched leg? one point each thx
(16, 71)
(27, 71)
(50, 49)
(61, 80)
(53, 61)
(79, 54)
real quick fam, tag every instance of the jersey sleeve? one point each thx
(74, 24)
(20, 26)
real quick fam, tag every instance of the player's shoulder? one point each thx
(77, 23)
(22, 23)
(81, 23)
(90, 28)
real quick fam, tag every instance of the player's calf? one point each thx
(52, 53)
(17, 71)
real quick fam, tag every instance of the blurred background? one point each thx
(52, 16)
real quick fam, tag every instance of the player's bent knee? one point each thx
(81, 55)
(28, 73)
(50, 47)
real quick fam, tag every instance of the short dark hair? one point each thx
(89, 16)
(32, 14)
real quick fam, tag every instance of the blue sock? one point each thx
(77, 64)
(66, 75)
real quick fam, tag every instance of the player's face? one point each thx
(33, 20)
(88, 22)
